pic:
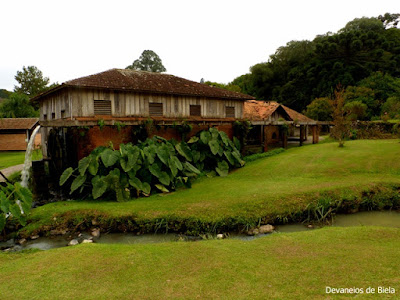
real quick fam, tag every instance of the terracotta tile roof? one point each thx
(18, 123)
(141, 81)
(296, 116)
(261, 110)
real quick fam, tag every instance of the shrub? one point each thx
(156, 164)
(254, 157)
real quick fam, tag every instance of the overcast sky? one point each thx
(215, 40)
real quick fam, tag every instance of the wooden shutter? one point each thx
(102, 107)
(195, 110)
(230, 111)
(155, 109)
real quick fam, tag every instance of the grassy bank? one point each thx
(281, 187)
(11, 158)
(281, 266)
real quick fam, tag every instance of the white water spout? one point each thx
(28, 159)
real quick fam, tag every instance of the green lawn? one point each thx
(11, 158)
(281, 266)
(271, 186)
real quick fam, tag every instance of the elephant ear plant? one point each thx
(15, 203)
(153, 165)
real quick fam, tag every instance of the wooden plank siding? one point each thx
(130, 104)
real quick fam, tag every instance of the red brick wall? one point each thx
(10, 142)
(95, 137)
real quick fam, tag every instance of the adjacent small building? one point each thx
(275, 124)
(16, 132)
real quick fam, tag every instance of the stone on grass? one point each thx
(73, 242)
(87, 241)
(220, 236)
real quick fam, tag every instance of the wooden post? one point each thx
(284, 139)
(265, 135)
(301, 134)
(315, 133)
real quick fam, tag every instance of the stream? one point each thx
(372, 218)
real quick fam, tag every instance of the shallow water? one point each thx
(373, 218)
(366, 218)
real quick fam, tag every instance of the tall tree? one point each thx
(31, 81)
(17, 106)
(148, 61)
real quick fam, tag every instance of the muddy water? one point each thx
(385, 219)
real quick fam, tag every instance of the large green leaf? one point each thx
(4, 203)
(65, 175)
(191, 168)
(136, 183)
(99, 186)
(162, 188)
(229, 157)
(214, 146)
(222, 169)
(238, 157)
(175, 160)
(77, 183)
(155, 170)
(193, 139)
(173, 167)
(184, 150)
(94, 165)
(84, 164)
(224, 137)
(15, 210)
(150, 153)
(164, 178)
(109, 157)
(146, 188)
(205, 137)
(214, 133)
(163, 154)
(125, 164)
(133, 156)
(237, 144)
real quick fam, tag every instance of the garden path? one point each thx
(10, 170)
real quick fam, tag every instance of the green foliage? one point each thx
(392, 107)
(155, 164)
(31, 81)
(355, 110)
(17, 106)
(355, 56)
(241, 130)
(230, 86)
(101, 123)
(4, 94)
(148, 61)
(15, 203)
(319, 109)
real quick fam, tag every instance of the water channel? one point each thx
(373, 218)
